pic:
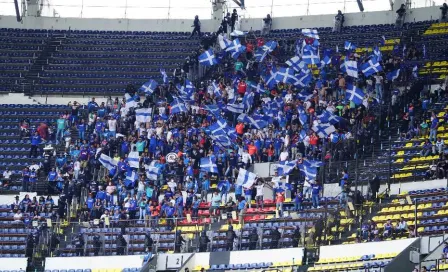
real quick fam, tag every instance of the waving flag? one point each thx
(152, 172)
(143, 115)
(245, 178)
(248, 100)
(235, 48)
(164, 76)
(310, 55)
(263, 51)
(312, 33)
(131, 178)
(312, 163)
(328, 117)
(236, 108)
(285, 167)
(303, 117)
(149, 87)
(281, 186)
(130, 102)
(325, 61)
(134, 159)
(354, 94)
(349, 46)
(208, 164)
(323, 130)
(415, 71)
(254, 122)
(371, 67)
(304, 96)
(297, 64)
(213, 109)
(309, 172)
(223, 185)
(178, 106)
(108, 162)
(377, 53)
(351, 68)
(257, 88)
(285, 75)
(302, 80)
(208, 58)
(393, 75)
(269, 79)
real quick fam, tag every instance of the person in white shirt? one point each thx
(76, 169)
(18, 216)
(284, 155)
(172, 185)
(246, 158)
(307, 185)
(7, 175)
(259, 195)
(112, 124)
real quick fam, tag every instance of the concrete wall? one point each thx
(13, 263)
(100, 262)
(366, 18)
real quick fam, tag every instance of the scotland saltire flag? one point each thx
(130, 102)
(208, 58)
(328, 117)
(312, 33)
(164, 76)
(245, 178)
(312, 163)
(213, 109)
(108, 162)
(285, 167)
(178, 106)
(383, 40)
(308, 172)
(143, 115)
(216, 90)
(263, 51)
(149, 87)
(222, 140)
(235, 48)
(393, 75)
(371, 67)
(269, 79)
(134, 159)
(297, 64)
(325, 61)
(132, 178)
(304, 96)
(310, 55)
(281, 186)
(236, 108)
(248, 100)
(219, 127)
(285, 75)
(208, 164)
(415, 71)
(351, 68)
(323, 130)
(223, 185)
(303, 117)
(254, 122)
(349, 46)
(377, 53)
(152, 172)
(302, 80)
(257, 88)
(354, 94)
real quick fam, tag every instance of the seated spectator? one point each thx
(6, 178)
(427, 148)
(388, 229)
(402, 227)
(18, 216)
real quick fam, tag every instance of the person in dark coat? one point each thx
(230, 237)
(203, 241)
(197, 27)
(253, 239)
(275, 238)
(148, 242)
(297, 236)
(179, 240)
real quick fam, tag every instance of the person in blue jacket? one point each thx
(35, 141)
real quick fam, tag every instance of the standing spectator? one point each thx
(433, 128)
(61, 124)
(234, 19)
(259, 195)
(315, 194)
(279, 200)
(35, 141)
(267, 24)
(197, 27)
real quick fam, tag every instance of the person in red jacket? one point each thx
(242, 86)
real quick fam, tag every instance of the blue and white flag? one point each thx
(269, 79)
(245, 178)
(310, 55)
(263, 51)
(236, 108)
(377, 53)
(354, 94)
(152, 172)
(393, 75)
(134, 159)
(213, 109)
(312, 163)
(298, 65)
(143, 115)
(248, 100)
(223, 185)
(349, 46)
(404, 51)
(149, 87)
(220, 127)
(222, 140)
(323, 130)
(132, 178)
(130, 102)
(164, 76)
(302, 80)
(208, 58)
(371, 67)
(383, 40)
(308, 172)
(285, 75)
(108, 162)
(325, 61)
(235, 48)
(257, 88)
(208, 164)
(328, 117)
(281, 186)
(285, 167)
(312, 33)
(178, 106)
(254, 122)
(304, 96)
(351, 68)
(415, 71)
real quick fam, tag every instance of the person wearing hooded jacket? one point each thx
(275, 238)
(203, 241)
(230, 236)
(253, 239)
(148, 242)
(179, 240)
(296, 237)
